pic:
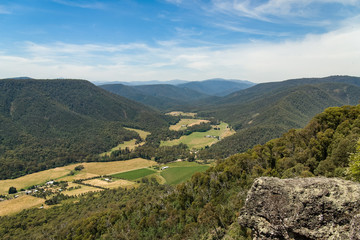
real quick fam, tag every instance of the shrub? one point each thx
(12, 190)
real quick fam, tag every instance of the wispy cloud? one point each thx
(82, 4)
(233, 27)
(174, 1)
(335, 52)
(4, 10)
(274, 9)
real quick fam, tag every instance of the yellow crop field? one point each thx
(112, 184)
(106, 168)
(81, 190)
(17, 204)
(131, 144)
(179, 113)
(184, 123)
(91, 169)
(33, 179)
(143, 134)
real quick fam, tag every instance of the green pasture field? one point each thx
(177, 173)
(135, 174)
(198, 140)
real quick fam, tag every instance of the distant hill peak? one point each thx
(20, 78)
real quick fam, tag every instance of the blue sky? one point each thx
(127, 40)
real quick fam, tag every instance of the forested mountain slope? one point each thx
(47, 123)
(160, 96)
(258, 118)
(259, 90)
(217, 87)
(208, 205)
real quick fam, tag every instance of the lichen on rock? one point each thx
(303, 208)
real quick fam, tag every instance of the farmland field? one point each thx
(181, 171)
(129, 171)
(181, 125)
(198, 140)
(91, 169)
(142, 134)
(106, 168)
(135, 174)
(178, 113)
(33, 179)
(113, 184)
(81, 190)
(16, 205)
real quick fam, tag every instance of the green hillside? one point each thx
(49, 123)
(160, 96)
(258, 119)
(208, 205)
(218, 86)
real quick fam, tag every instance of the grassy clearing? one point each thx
(178, 113)
(135, 174)
(142, 134)
(131, 145)
(113, 184)
(182, 171)
(184, 123)
(18, 204)
(183, 164)
(127, 144)
(83, 189)
(198, 140)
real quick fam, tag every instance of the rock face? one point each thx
(303, 208)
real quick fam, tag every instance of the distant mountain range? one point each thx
(218, 86)
(267, 110)
(137, 83)
(171, 82)
(172, 96)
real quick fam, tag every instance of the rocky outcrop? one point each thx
(303, 208)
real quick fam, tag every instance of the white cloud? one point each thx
(81, 4)
(336, 52)
(276, 8)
